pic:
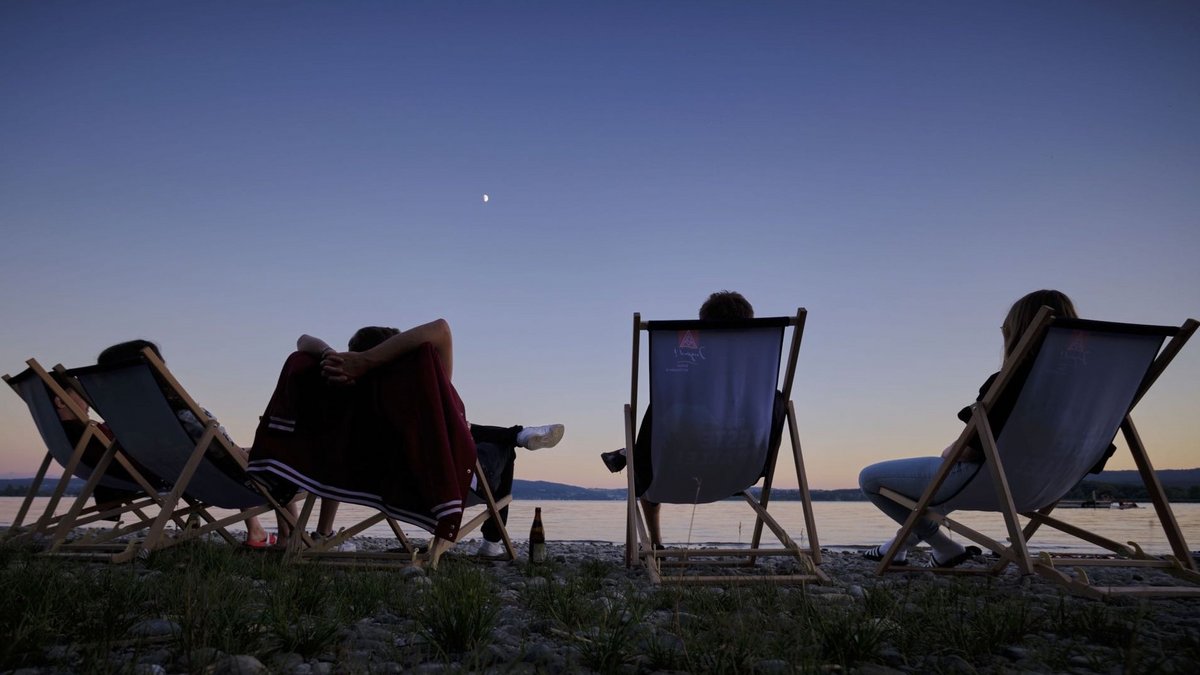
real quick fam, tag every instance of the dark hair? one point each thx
(726, 305)
(125, 351)
(369, 336)
(1021, 314)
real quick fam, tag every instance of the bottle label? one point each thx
(537, 552)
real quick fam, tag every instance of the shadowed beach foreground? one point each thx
(210, 608)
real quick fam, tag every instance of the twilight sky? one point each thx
(221, 177)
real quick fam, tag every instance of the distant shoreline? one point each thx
(1181, 485)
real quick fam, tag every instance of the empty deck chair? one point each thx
(397, 442)
(204, 473)
(713, 435)
(84, 452)
(1067, 388)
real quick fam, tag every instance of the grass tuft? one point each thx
(457, 612)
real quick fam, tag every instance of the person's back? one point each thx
(722, 305)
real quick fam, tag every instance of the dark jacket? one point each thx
(397, 440)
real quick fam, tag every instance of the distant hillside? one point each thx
(17, 487)
(540, 489)
(1181, 485)
(531, 489)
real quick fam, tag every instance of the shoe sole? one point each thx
(613, 461)
(548, 439)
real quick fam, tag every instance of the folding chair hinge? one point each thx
(1082, 577)
(1137, 551)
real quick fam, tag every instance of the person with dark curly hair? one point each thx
(720, 306)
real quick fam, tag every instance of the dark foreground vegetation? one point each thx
(211, 609)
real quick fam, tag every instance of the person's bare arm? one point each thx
(345, 367)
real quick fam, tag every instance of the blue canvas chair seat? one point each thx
(38, 389)
(209, 472)
(1046, 421)
(712, 392)
(715, 389)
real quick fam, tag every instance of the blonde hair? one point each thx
(1022, 312)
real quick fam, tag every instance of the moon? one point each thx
(485, 199)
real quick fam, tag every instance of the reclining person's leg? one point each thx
(498, 462)
(910, 477)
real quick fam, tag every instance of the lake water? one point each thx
(839, 524)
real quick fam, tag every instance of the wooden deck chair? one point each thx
(1069, 385)
(281, 457)
(407, 553)
(206, 473)
(713, 396)
(38, 389)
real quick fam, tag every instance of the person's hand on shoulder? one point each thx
(343, 367)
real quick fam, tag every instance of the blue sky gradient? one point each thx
(221, 177)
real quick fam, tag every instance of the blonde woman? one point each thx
(909, 477)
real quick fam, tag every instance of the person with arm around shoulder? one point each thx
(374, 346)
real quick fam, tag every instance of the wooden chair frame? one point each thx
(1046, 564)
(58, 527)
(326, 551)
(638, 547)
(170, 508)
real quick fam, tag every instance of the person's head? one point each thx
(725, 305)
(1022, 312)
(369, 336)
(64, 410)
(125, 351)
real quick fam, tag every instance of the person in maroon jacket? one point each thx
(373, 346)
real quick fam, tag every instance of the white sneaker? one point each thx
(536, 438)
(491, 549)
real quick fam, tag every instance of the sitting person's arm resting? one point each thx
(345, 367)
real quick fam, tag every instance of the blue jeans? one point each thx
(910, 477)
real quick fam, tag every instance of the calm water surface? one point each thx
(839, 524)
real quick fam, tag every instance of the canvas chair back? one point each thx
(38, 398)
(133, 405)
(712, 393)
(1082, 383)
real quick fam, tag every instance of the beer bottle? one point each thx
(537, 538)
